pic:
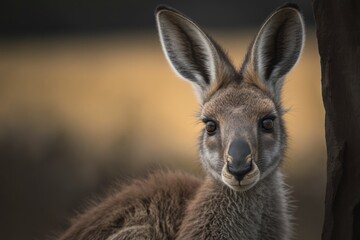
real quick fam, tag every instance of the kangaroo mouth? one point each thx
(247, 182)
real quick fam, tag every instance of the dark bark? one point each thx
(338, 33)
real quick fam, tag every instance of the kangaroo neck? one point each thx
(218, 212)
(213, 188)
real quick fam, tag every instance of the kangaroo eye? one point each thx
(210, 127)
(267, 124)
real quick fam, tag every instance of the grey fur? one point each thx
(146, 209)
(171, 205)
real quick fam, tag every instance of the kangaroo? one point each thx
(242, 145)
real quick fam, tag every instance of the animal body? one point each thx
(242, 145)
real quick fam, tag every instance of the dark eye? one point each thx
(267, 124)
(210, 127)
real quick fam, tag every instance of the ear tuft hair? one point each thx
(193, 55)
(276, 49)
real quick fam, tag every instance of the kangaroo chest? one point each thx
(225, 214)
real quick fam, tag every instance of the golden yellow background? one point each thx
(78, 112)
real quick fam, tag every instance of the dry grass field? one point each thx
(76, 113)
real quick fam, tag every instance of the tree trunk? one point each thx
(338, 33)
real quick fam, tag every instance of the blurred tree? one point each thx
(338, 33)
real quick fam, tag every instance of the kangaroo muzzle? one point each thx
(240, 171)
(239, 159)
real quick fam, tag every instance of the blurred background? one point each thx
(87, 98)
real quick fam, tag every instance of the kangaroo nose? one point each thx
(238, 166)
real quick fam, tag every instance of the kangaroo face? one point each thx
(244, 136)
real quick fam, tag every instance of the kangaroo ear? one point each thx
(189, 50)
(276, 49)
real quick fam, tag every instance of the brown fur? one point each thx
(150, 207)
(223, 205)
(256, 214)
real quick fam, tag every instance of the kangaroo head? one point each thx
(244, 136)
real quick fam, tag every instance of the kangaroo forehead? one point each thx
(244, 99)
